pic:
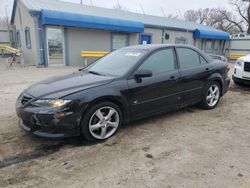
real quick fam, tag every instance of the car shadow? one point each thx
(45, 147)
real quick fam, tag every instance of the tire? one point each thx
(101, 121)
(211, 95)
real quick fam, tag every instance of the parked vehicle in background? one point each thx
(219, 57)
(241, 73)
(239, 35)
(128, 84)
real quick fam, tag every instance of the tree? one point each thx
(118, 6)
(217, 18)
(242, 7)
(198, 16)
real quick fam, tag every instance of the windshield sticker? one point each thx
(132, 54)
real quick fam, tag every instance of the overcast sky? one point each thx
(153, 7)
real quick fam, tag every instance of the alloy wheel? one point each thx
(213, 95)
(104, 122)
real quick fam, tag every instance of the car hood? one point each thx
(59, 86)
(245, 58)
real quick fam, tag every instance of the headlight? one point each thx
(52, 103)
(239, 62)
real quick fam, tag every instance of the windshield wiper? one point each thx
(96, 73)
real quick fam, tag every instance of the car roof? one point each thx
(155, 46)
(152, 47)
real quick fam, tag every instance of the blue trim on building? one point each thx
(45, 48)
(86, 21)
(66, 46)
(41, 41)
(211, 34)
(13, 13)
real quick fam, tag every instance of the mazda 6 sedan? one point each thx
(126, 85)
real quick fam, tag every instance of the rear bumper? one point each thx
(240, 80)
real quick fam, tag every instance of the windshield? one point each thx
(117, 63)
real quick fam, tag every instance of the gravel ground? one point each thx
(189, 148)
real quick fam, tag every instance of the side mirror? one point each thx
(143, 73)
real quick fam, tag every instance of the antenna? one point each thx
(163, 12)
(142, 8)
(81, 2)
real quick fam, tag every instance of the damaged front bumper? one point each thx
(48, 123)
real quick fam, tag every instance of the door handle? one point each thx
(208, 69)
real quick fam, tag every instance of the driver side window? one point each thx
(160, 61)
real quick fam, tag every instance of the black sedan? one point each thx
(125, 85)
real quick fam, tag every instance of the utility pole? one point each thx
(81, 2)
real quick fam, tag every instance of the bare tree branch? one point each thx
(240, 11)
(217, 18)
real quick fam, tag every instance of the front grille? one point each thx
(247, 66)
(25, 99)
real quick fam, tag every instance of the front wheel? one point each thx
(211, 96)
(101, 121)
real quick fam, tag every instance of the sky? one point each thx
(152, 7)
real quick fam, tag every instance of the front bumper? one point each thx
(53, 123)
(240, 80)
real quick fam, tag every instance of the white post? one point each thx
(85, 62)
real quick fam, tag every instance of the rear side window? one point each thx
(160, 61)
(188, 58)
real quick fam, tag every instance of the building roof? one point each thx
(49, 17)
(148, 20)
(208, 34)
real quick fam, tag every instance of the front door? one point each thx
(55, 46)
(159, 92)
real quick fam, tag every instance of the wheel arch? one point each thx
(114, 99)
(217, 78)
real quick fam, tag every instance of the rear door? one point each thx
(159, 92)
(194, 71)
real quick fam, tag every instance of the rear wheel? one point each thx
(101, 121)
(211, 96)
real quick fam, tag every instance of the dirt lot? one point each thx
(189, 148)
